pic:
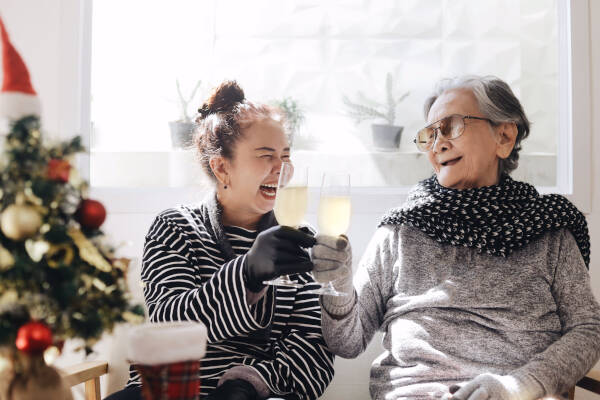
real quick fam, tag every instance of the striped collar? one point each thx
(212, 214)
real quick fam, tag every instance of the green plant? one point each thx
(294, 114)
(366, 108)
(185, 102)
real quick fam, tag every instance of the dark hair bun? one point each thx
(223, 99)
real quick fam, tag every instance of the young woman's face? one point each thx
(254, 170)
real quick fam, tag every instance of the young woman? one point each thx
(207, 262)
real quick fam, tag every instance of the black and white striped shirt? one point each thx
(187, 278)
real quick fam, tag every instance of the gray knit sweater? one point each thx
(449, 313)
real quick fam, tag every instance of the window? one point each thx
(314, 52)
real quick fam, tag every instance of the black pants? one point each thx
(134, 393)
(129, 393)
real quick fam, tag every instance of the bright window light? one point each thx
(315, 52)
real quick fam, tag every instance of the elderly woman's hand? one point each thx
(497, 387)
(332, 259)
(331, 256)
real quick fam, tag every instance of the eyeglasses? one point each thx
(450, 127)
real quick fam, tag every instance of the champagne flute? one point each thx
(334, 215)
(290, 206)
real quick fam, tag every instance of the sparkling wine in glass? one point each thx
(334, 215)
(290, 206)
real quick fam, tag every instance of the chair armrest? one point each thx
(591, 381)
(83, 372)
(88, 372)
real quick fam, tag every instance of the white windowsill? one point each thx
(147, 182)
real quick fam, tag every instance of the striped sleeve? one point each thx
(175, 289)
(302, 364)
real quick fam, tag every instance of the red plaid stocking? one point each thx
(177, 381)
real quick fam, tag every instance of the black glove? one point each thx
(277, 251)
(234, 389)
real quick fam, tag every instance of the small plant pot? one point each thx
(181, 134)
(386, 137)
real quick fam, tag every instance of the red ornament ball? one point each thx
(91, 214)
(58, 170)
(33, 338)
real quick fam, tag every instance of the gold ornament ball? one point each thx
(19, 222)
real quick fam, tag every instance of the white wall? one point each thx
(40, 30)
(36, 29)
(594, 217)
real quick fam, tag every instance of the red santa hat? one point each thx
(18, 99)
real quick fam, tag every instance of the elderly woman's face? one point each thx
(471, 160)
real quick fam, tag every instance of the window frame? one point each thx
(574, 174)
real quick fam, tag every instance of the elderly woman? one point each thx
(478, 282)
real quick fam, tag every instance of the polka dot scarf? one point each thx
(494, 219)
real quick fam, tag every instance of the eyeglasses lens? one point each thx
(450, 127)
(455, 127)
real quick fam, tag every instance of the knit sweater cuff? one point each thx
(528, 386)
(248, 374)
(340, 306)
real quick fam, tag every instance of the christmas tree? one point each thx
(59, 277)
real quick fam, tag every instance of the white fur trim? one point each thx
(165, 343)
(16, 105)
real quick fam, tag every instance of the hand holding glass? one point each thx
(290, 206)
(334, 215)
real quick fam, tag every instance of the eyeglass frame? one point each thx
(435, 131)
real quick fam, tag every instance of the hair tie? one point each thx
(204, 111)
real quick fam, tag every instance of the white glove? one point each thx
(332, 259)
(330, 256)
(498, 387)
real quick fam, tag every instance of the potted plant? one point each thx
(386, 136)
(294, 115)
(182, 129)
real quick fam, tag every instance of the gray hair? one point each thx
(496, 101)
